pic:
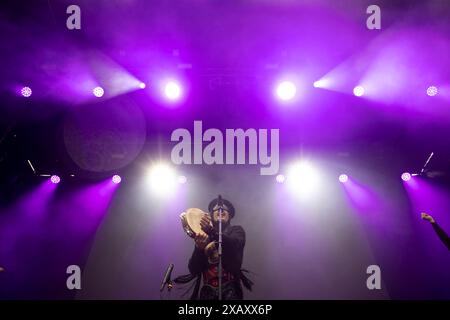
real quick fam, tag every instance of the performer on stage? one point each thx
(203, 263)
(441, 233)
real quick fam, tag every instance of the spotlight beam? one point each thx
(426, 163)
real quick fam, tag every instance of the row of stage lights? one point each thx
(301, 177)
(285, 90)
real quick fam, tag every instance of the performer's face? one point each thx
(225, 216)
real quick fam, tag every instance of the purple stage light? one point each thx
(98, 92)
(280, 178)
(26, 92)
(142, 85)
(343, 178)
(432, 91)
(406, 176)
(286, 90)
(116, 179)
(172, 90)
(358, 91)
(55, 179)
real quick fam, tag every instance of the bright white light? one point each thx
(322, 83)
(116, 179)
(358, 91)
(280, 178)
(406, 176)
(182, 179)
(343, 178)
(432, 91)
(172, 90)
(162, 180)
(303, 179)
(142, 85)
(98, 92)
(286, 90)
(26, 92)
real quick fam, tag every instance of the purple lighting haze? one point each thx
(55, 179)
(26, 92)
(116, 179)
(286, 90)
(343, 178)
(358, 91)
(432, 91)
(406, 176)
(98, 92)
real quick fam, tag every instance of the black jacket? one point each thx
(442, 235)
(233, 243)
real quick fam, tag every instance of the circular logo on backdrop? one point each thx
(105, 136)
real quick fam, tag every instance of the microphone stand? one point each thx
(169, 288)
(167, 281)
(220, 246)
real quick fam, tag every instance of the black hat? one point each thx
(227, 203)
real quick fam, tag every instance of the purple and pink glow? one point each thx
(55, 179)
(432, 91)
(406, 176)
(116, 179)
(26, 92)
(98, 92)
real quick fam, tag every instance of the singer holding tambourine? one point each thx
(204, 262)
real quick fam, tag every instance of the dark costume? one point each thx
(442, 235)
(233, 242)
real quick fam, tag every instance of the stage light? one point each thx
(182, 179)
(172, 90)
(116, 179)
(162, 179)
(98, 92)
(316, 84)
(358, 91)
(303, 179)
(286, 90)
(432, 91)
(280, 178)
(55, 179)
(343, 178)
(406, 176)
(26, 92)
(142, 85)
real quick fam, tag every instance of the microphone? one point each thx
(166, 277)
(220, 202)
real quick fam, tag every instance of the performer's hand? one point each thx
(205, 223)
(201, 240)
(427, 217)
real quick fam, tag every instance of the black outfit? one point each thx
(233, 242)
(442, 235)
